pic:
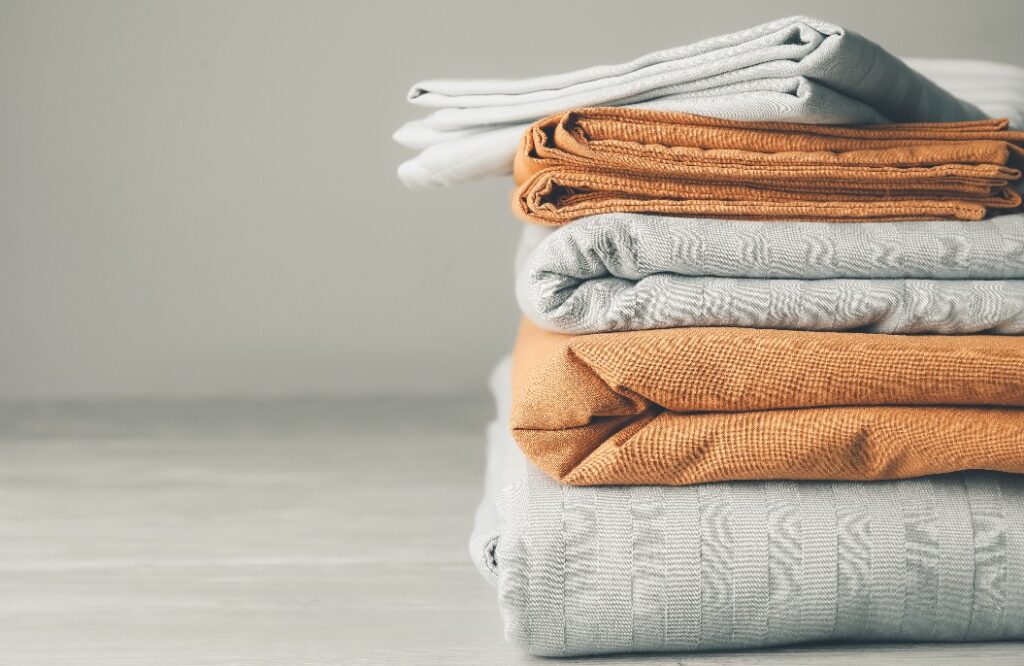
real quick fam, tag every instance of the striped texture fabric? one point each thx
(622, 271)
(605, 159)
(583, 571)
(793, 69)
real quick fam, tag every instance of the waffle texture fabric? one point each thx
(582, 571)
(627, 271)
(792, 69)
(602, 160)
(692, 405)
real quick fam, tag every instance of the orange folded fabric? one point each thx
(603, 160)
(692, 405)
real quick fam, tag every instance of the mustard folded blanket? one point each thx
(601, 160)
(692, 405)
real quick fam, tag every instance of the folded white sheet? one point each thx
(794, 69)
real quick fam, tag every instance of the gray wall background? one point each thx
(198, 198)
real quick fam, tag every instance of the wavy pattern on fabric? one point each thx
(582, 571)
(623, 271)
(794, 69)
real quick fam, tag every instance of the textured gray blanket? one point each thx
(595, 570)
(630, 272)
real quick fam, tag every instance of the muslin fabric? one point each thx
(583, 571)
(599, 160)
(792, 69)
(692, 405)
(627, 271)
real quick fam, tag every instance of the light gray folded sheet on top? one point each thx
(794, 69)
(593, 570)
(626, 271)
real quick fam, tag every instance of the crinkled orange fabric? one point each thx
(692, 405)
(603, 160)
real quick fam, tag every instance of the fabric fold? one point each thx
(792, 69)
(693, 405)
(631, 272)
(995, 88)
(583, 571)
(601, 160)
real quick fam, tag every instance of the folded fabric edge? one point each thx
(503, 465)
(474, 155)
(456, 87)
(581, 441)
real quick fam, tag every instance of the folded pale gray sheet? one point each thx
(591, 570)
(794, 69)
(626, 271)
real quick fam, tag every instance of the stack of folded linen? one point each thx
(716, 429)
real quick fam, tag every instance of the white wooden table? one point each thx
(270, 533)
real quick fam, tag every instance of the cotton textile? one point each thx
(792, 69)
(583, 571)
(600, 160)
(692, 405)
(630, 272)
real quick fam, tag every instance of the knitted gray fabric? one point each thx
(591, 570)
(629, 272)
(796, 69)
